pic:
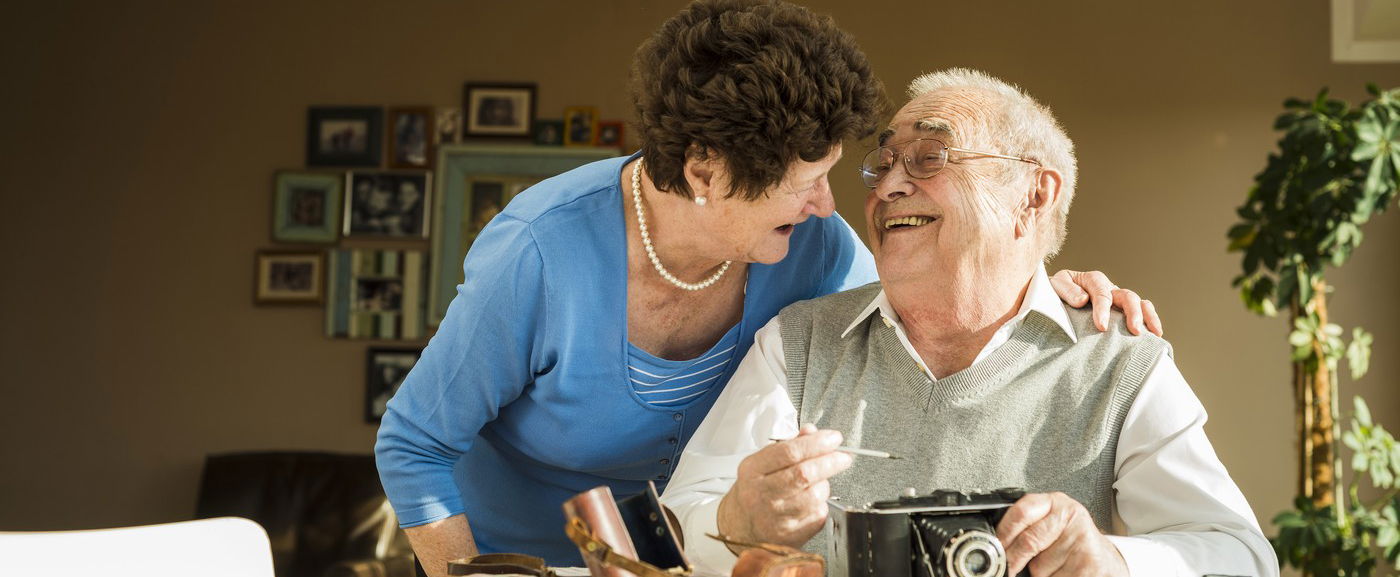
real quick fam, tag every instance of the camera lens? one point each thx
(976, 563)
(975, 554)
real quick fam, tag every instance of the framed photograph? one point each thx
(375, 294)
(384, 203)
(580, 125)
(385, 370)
(549, 132)
(474, 182)
(449, 126)
(610, 133)
(411, 137)
(499, 110)
(306, 206)
(1365, 31)
(343, 136)
(284, 277)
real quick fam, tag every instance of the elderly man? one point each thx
(963, 362)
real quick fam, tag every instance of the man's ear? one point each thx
(1042, 200)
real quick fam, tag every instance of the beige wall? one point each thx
(139, 144)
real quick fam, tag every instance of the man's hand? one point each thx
(1080, 288)
(780, 493)
(1053, 535)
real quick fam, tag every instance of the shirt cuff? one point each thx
(1145, 557)
(709, 556)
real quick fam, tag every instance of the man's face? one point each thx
(953, 222)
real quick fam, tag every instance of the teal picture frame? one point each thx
(306, 206)
(462, 167)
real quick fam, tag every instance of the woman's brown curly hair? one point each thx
(759, 83)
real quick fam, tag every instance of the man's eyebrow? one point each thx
(934, 125)
(885, 136)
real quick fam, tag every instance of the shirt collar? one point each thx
(1040, 297)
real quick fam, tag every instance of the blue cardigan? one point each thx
(522, 400)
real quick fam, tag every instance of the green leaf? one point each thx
(1299, 338)
(1360, 411)
(1368, 130)
(1359, 353)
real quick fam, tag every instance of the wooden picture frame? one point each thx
(306, 206)
(375, 294)
(344, 135)
(580, 125)
(411, 132)
(459, 167)
(289, 277)
(387, 203)
(499, 110)
(610, 134)
(385, 371)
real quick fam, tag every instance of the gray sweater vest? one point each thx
(1041, 412)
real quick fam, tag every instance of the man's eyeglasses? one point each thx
(923, 158)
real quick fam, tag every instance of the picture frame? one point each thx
(549, 132)
(375, 294)
(500, 110)
(411, 132)
(344, 135)
(306, 206)
(449, 126)
(385, 371)
(610, 133)
(387, 203)
(288, 277)
(580, 125)
(454, 223)
(1360, 32)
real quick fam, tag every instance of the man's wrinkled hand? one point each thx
(1054, 536)
(780, 493)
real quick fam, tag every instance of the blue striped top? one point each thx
(663, 383)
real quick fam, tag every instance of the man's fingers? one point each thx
(1025, 512)
(1131, 304)
(808, 473)
(1063, 283)
(784, 454)
(1149, 313)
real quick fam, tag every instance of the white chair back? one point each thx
(221, 547)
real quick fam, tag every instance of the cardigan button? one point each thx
(665, 461)
(678, 417)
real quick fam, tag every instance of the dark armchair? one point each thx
(324, 513)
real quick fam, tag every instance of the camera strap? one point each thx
(500, 564)
(592, 547)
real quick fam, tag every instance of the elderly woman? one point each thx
(605, 309)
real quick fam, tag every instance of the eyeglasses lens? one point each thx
(922, 158)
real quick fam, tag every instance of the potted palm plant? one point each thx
(1335, 167)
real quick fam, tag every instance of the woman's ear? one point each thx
(702, 172)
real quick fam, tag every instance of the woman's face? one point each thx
(758, 230)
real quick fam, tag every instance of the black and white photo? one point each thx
(387, 203)
(498, 110)
(411, 137)
(385, 371)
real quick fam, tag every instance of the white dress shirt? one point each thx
(1176, 512)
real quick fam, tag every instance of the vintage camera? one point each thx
(941, 534)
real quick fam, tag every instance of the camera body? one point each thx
(942, 534)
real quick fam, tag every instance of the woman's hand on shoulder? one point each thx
(1093, 287)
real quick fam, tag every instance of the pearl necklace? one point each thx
(646, 239)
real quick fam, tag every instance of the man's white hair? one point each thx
(1021, 127)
